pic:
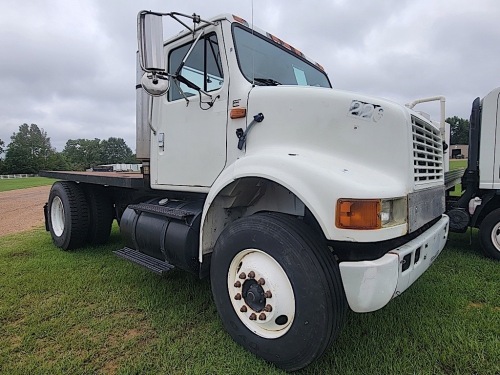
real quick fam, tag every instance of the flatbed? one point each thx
(118, 179)
(453, 178)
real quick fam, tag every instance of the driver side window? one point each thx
(203, 67)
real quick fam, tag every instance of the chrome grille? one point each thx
(427, 153)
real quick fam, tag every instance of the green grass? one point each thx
(457, 164)
(23, 183)
(87, 311)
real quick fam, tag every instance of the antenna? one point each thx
(253, 53)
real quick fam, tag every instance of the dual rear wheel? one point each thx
(78, 214)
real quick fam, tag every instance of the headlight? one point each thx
(370, 213)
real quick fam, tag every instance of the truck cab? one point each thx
(296, 199)
(479, 204)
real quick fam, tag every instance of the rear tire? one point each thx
(277, 289)
(68, 217)
(489, 235)
(101, 214)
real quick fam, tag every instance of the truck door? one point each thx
(189, 148)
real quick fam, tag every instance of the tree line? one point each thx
(30, 151)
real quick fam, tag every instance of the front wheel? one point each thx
(278, 289)
(489, 234)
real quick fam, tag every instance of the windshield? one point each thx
(266, 63)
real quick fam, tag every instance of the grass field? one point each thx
(457, 164)
(23, 183)
(88, 312)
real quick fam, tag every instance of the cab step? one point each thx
(155, 265)
(170, 212)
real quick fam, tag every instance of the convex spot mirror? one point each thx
(155, 84)
(150, 40)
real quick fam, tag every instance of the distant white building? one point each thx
(118, 168)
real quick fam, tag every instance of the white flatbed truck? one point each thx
(296, 199)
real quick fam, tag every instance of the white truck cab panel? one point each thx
(489, 154)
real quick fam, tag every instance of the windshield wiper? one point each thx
(267, 81)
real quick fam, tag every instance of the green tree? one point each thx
(2, 144)
(82, 154)
(57, 162)
(29, 150)
(459, 129)
(115, 150)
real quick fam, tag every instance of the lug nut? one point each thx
(242, 276)
(237, 284)
(252, 316)
(262, 316)
(251, 274)
(268, 308)
(268, 294)
(243, 308)
(261, 281)
(237, 297)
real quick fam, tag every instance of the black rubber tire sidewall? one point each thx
(319, 307)
(75, 215)
(101, 214)
(487, 226)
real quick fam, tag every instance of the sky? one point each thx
(69, 65)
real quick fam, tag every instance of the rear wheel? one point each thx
(100, 214)
(68, 215)
(277, 288)
(489, 234)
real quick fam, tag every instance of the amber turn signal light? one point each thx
(358, 214)
(238, 113)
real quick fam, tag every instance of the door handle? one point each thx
(161, 141)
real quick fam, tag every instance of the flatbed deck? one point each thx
(118, 179)
(453, 178)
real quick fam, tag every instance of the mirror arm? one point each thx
(150, 117)
(182, 92)
(190, 84)
(182, 23)
(194, 17)
(187, 54)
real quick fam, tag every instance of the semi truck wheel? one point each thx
(277, 289)
(68, 215)
(489, 234)
(101, 214)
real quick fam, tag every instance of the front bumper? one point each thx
(370, 285)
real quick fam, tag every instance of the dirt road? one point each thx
(22, 209)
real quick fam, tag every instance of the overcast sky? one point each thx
(69, 65)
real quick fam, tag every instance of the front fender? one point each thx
(318, 180)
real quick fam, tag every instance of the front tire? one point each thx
(278, 289)
(489, 234)
(68, 215)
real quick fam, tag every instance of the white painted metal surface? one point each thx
(57, 216)
(489, 153)
(280, 311)
(370, 285)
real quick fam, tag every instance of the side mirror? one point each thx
(150, 40)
